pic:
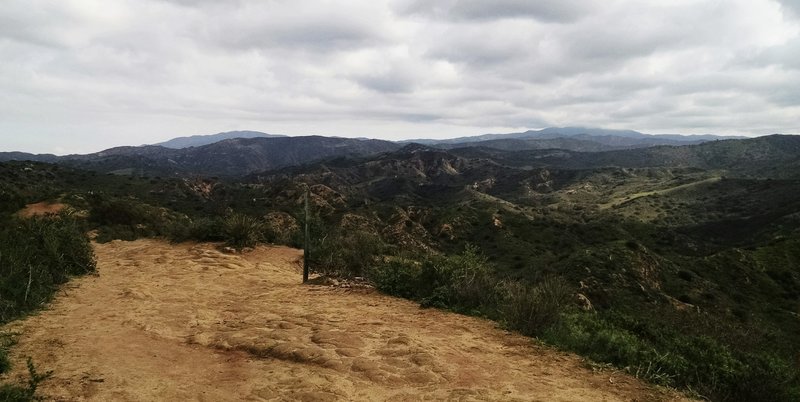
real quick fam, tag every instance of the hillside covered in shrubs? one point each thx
(676, 265)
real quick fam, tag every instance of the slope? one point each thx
(178, 322)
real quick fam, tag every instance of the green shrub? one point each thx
(602, 341)
(658, 354)
(398, 276)
(342, 253)
(533, 309)
(207, 229)
(37, 255)
(463, 282)
(242, 230)
(282, 229)
(109, 211)
(764, 377)
(129, 219)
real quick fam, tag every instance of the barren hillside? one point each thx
(186, 322)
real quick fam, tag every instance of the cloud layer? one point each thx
(82, 75)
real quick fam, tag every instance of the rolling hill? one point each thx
(231, 157)
(200, 140)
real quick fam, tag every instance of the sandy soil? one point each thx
(41, 208)
(186, 322)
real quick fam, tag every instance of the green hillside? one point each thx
(680, 263)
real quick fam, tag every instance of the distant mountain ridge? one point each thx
(570, 138)
(772, 155)
(231, 157)
(581, 132)
(200, 140)
(570, 147)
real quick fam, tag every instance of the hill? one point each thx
(610, 139)
(200, 140)
(774, 156)
(24, 156)
(232, 157)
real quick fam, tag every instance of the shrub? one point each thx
(346, 254)
(281, 228)
(242, 230)
(463, 282)
(397, 276)
(595, 337)
(37, 255)
(533, 309)
(657, 354)
(129, 219)
(207, 229)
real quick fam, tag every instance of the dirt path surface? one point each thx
(41, 208)
(186, 322)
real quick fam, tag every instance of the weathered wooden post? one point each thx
(305, 241)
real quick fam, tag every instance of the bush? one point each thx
(700, 363)
(462, 282)
(207, 229)
(346, 254)
(533, 309)
(129, 219)
(397, 276)
(242, 230)
(37, 255)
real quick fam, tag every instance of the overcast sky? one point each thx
(84, 75)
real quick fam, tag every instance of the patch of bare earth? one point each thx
(186, 322)
(41, 208)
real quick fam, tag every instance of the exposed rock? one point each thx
(583, 302)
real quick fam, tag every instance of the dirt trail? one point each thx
(186, 322)
(41, 208)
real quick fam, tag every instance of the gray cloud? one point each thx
(556, 11)
(77, 76)
(790, 6)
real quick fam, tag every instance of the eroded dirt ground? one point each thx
(187, 322)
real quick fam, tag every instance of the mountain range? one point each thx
(242, 152)
(200, 140)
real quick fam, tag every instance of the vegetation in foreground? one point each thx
(684, 351)
(36, 256)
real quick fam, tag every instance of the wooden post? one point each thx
(305, 242)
